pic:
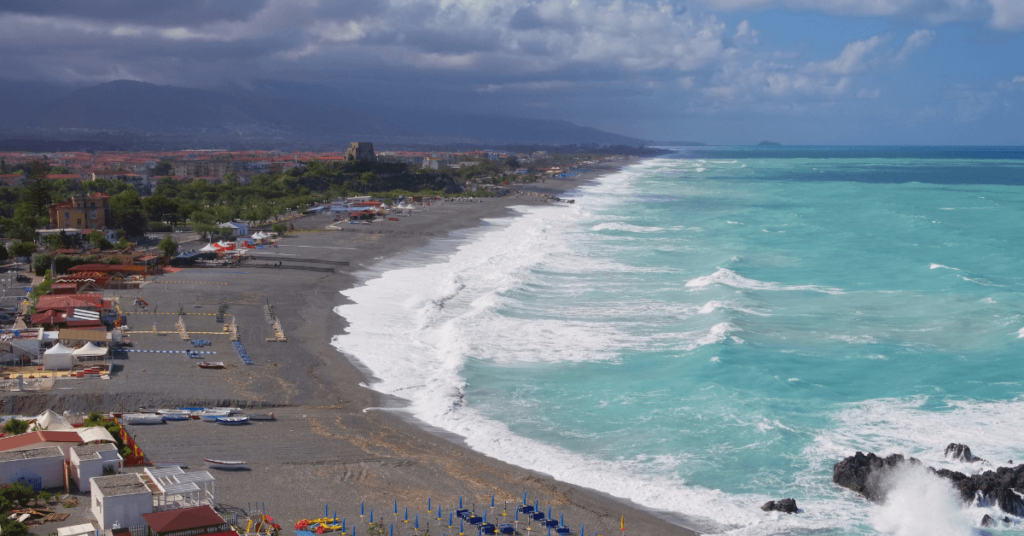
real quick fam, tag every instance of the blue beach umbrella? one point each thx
(561, 520)
(428, 504)
(524, 498)
(396, 508)
(362, 508)
(460, 502)
(406, 514)
(492, 500)
(325, 510)
(451, 518)
(439, 512)
(517, 516)
(536, 505)
(342, 522)
(371, 515)
(393, 530)
(549, 512)
(417, 523)
(581, 528)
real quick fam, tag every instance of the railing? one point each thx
(136, 531)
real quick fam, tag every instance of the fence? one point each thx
(136, 531)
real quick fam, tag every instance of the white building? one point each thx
(88, 461)
(237, 228)
(41, 468)
(120, 499)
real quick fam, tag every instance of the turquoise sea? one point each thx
(704, 332)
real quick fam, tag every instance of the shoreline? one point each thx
(328, 444)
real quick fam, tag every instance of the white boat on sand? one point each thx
(233, 420)
(262, 417)
(142, 418)
(225, 465)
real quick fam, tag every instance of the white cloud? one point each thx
(851, 59)
(918, 39)
(1008, 14)
(936, 11)
(687, 82)
(1018, 80)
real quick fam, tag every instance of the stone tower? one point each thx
(361, 150)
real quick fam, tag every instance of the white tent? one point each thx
(58, 358)
(208, 248)
(258, 235)
(48, 420)
(90, 350)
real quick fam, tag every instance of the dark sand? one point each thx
(324, 448)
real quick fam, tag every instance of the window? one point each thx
(67, 215)
(92, 215)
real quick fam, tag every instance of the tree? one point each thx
(168, 246)
(279, 228)
(99, 241)
(23, 249)
(4, 255)
(15, 427)
(54, 241)
(126, 208)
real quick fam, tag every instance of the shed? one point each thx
(88, 461)
(40, 468)
(120, 499)
(58, 358)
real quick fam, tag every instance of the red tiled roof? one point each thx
(183, 519)
(99, 195)
(83, 323)
(104, 268)
(48, 317)
(19, 442)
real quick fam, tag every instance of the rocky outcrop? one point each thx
(866, 474)
(782, 505)
(957, 451)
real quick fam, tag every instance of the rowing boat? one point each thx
(211, 365)
(226, 465)
(233, 420)
(262, 417)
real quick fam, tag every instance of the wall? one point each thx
(51, 470)
(125, 510)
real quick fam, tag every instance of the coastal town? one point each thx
(158, 370)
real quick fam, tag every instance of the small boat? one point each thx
(212, 365)
(142, 418)
(233, 420)
(212, 416)
(172, 412)
(176, 416)
(223, 464)
(262, 417)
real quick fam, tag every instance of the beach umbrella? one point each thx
(439, 512)
(622, 523)
(371, 515)
(417, 523)
(325, 510)
(561, 520)
(451, 518)
(342, 522)
(406, 515)
(396, 508)
(524, 498)
(549, 511)
(460, 502)
(392, 529)
(581, 528)
(362, 509)
(428, 504)
(517, 516)
(504, 510)
(335, 516)
(485, 516)
(492, 500)
(536, 505)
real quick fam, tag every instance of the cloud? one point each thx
(935, 11)
(917, 40)
(851, 59)
(1007, 14)
(1018, 80)
(869, 94)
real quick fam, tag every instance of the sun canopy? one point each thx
(90, 350)
(59, 349)
(208, 248)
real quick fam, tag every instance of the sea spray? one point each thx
(919, 503)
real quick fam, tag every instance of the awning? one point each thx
(59, 349)
(90, 350)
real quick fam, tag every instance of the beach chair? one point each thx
(563, 530)
(506, 528)
(488, 528)
(525, 509)
(462, 514)
(550, 523)
(538, 516)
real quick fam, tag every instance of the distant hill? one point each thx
(265, 111)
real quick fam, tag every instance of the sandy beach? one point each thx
(335, 441)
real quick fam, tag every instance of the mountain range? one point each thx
(271, 113)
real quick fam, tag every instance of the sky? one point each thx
(716, 71)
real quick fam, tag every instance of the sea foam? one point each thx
(727, 277)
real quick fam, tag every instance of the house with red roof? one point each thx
(85, 212)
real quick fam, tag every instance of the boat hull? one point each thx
(225, 465)
(142, 419)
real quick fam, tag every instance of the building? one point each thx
(186, 522)
(86, 212)
(120, 500)
(38, 468)
(236, 228)
(65, 439)
(88, 461)
(360, 150)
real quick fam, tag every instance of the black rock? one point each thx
(866, 474)
(987, 521)
(783, 505)
(960, 452)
